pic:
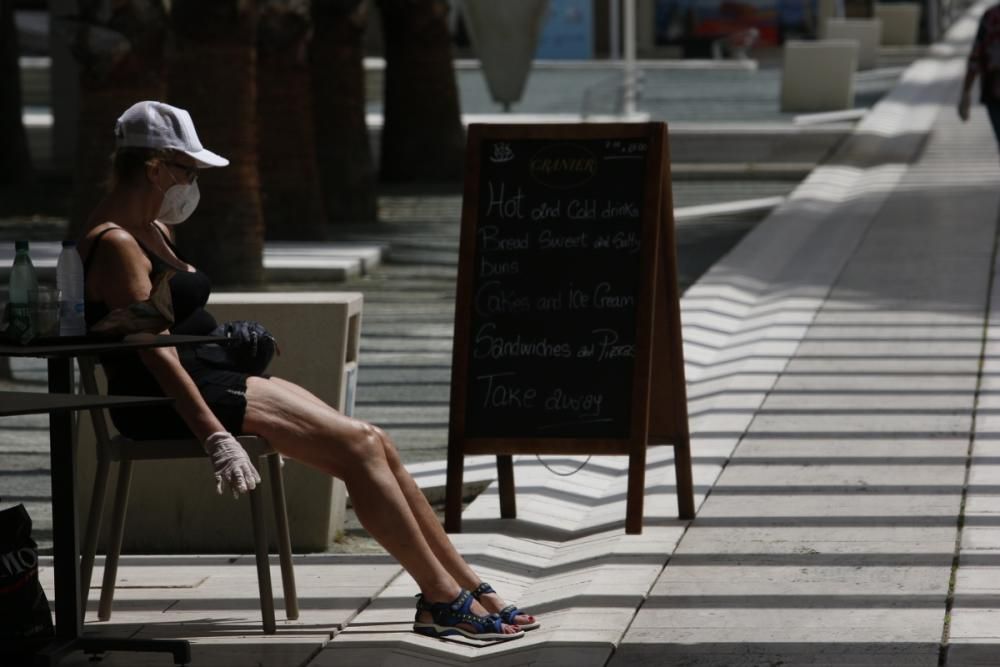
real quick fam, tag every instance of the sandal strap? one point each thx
(482, 589)
(509, 613)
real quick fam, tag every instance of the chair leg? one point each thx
(97, 498)
(263, 567)
(284, 537)
(115, 540)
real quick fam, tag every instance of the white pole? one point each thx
(629, 93)
(614, 30)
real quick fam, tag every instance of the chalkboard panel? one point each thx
(567, 316)
(555, 281)
(555, 288)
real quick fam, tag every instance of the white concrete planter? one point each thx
(900, 22)
(866, 32)
(818, 76)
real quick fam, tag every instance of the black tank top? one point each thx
(189, 291)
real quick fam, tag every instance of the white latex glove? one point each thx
(232, 464)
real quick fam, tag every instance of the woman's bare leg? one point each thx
(434, 533)
(319, 436)
(437, 539)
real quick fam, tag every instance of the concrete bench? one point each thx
(284, 261)
(866, 32)
(818, 76)
(173, 507)
(900, 22)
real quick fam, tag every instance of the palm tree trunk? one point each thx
(347, 170)
(213, 75)
(113, 76)
(289, 179)
(15, 160)
(422, 138)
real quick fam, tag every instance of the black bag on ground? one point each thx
(24, 609)
(249, 349)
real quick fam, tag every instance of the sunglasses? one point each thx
(191, 173)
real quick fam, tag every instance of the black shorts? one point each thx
(224, 391)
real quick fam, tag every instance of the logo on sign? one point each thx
(501, 153)
(563, 166)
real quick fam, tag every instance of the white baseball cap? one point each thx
(157, 125)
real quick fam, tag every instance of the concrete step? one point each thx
(697, 150)
(284, 261)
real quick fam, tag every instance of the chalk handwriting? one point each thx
(503, 204)
(490, 240)
(491, 345)
(503, 394)
(492, 299)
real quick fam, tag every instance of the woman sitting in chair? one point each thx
(126, 246)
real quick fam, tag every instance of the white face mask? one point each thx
(179, 202)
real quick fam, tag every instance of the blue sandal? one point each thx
(447, 616)
(508, 613)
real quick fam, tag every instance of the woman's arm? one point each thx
(965, 100)
(972, 71)
(123, 279)
(164, 364)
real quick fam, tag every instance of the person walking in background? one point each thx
(984, 63)
(128, 249)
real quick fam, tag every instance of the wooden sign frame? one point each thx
(659, 394)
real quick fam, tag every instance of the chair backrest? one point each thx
(98, 417)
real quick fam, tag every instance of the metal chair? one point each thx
(125, 451)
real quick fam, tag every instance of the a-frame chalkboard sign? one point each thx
(567, 320)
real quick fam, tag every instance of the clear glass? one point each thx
(47, 311)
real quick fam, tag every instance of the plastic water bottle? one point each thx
(69, 282)
(23, 295)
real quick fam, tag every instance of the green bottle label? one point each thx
(21, 327)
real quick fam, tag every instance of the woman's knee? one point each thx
(388, 447)
(364, 445)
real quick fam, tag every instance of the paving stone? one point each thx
(824, 507)
(758, 652)
(980, 504)
(879, 366)
(749, 579)
(846, 425)
(972, 652)
(980, 537)
(889, 401)
(975, 624)
(814, 619)
(977, 580)
(873, 450)
(848, 476)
